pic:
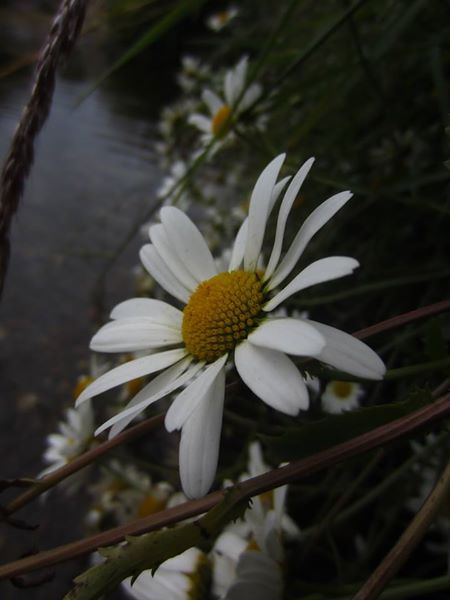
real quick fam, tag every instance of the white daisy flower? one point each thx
(248, 555)
(340, 396)
(75, 435)
(224, 317)
(274, 501)
(219, 20)
(192, 73)
(257, 576)
(126, 493)
(179, 578)
(218, 124)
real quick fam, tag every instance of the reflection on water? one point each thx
(94, 174)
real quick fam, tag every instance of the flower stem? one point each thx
(394, 560)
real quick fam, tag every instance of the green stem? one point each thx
(394, 560)
(411, 370)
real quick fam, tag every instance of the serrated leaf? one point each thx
(148, 551)
(306, 440)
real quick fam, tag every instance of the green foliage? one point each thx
(307, 439)
(148, 551)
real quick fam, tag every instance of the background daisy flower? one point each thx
(179, 578)
(226, 315)
(221, 107)
(340, 396)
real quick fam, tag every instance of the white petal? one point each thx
(288, 335)
(324, 269)
(346, 353)
(140, 406)
(200, 440)
(134, 333)
(201, 122)
(279, 187)
(131, 370)
(286, 205)
(310, 227)
(188, 243)
(167, 252)
(158, 311)
(259, 211)
(237, 81)
(158, 270)
(154, 387)
(237, 255)
(187, 401)
(229, 88)
(272, 376)
(257, 576)
(250, 96)
(212, 101)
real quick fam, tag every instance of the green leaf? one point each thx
(148, 551)
(305, 440)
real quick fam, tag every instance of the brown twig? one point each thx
(394, 560)
(252, 487)
(60, 41)
(403, 319)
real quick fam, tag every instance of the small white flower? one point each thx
(226, 316)
(192, 73)
(179, 578)
(74, 437)
(248, 555)
(219, 20)
(125, 492)
(340, 396)
(170, 186)
(257, 576)
(223, 109)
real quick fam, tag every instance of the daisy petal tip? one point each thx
(169, 423)
(100, 429)
(79, 401)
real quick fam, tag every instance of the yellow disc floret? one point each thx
(221, 120)
(342, 389)
(220, 313)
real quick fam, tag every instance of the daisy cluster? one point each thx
(248, 555)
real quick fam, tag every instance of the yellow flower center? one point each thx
(342, 389)
(200, 580)
(221, 313)
(82, 383)
(221, 120)
(150, 505)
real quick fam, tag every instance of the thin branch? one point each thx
(60, 41)
(403, 319)
(394, 560)
(252, 487)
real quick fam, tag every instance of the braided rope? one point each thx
(60, 41)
